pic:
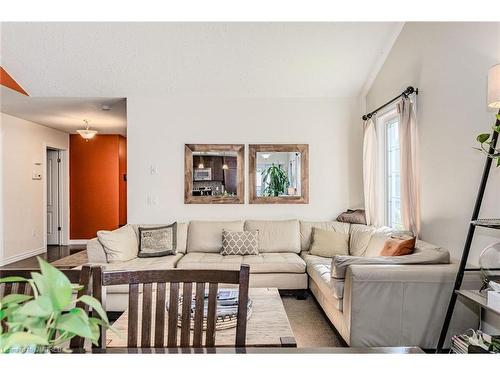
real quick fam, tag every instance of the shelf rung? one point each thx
(487, 223)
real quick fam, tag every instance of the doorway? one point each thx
(54, 201)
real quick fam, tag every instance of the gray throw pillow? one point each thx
(240, 243)
(157, 241)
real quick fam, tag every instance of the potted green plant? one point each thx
(48, 319)
(275, 181)
(485, 143)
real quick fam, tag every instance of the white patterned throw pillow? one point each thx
(240, 243)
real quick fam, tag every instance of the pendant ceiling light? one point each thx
(87, 133)
(224, 165)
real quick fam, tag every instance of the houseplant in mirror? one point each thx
(275, 181)
(47, 320)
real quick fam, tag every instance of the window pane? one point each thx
(393, 180)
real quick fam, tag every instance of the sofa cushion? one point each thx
(140, 264)
(328, 243)
(261, 263)
(279, 236)
(307, 226)
(275, 263)
(206, 236)
(210, 261)
(360, 236)
(182, 230)
(319, 270)
(120, 245)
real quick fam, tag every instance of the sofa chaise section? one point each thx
(387, 301)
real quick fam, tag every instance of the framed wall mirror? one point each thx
(214, 174)
(279, 173)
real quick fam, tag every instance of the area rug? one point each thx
(310, 326)
(73, 260)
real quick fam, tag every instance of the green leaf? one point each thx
(11, 310)
(40, 282)
(59, 287)
(94, 327)
(23, 339)
(498, 116)
(15, 298)
(481, 138)
(498, 162)
(13, 279)
(41, 307)
(75, 323)
(36, 325)
(96, 305)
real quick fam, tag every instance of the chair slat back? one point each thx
(81, 277)
(150, 330)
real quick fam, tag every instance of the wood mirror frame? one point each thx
(304, 166)
(239, 198)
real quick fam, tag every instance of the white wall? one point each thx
(158, 128)
(448, 62)
(23, 144)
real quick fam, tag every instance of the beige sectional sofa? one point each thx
(371, 300)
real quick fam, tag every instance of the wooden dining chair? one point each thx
(176, 278)
(81, 277)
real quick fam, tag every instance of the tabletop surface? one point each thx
(255, 350)
(267, 325)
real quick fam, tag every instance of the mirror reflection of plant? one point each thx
(275, 181)
(486, 143)
(47, 319)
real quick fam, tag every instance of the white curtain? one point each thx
(408, 140)
(370, 171)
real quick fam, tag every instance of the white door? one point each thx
(53, 197)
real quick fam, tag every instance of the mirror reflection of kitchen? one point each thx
(214, 173)
(278, 174)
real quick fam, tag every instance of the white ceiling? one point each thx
(195, 59)
(67, 114)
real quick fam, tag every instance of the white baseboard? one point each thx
(77, 242)
(15, 258)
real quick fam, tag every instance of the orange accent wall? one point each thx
(7, 81)
(97, 198)
(122, 186)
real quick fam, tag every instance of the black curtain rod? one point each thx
(409, 90)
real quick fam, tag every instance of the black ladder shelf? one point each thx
(474, 223)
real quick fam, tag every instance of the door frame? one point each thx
(63, 193)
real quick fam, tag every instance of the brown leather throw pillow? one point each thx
(397, 246)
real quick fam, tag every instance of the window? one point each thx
(392, 173)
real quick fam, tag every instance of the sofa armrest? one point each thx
(95, 252)
(403, 305)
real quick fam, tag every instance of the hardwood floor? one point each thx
(53, 253)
